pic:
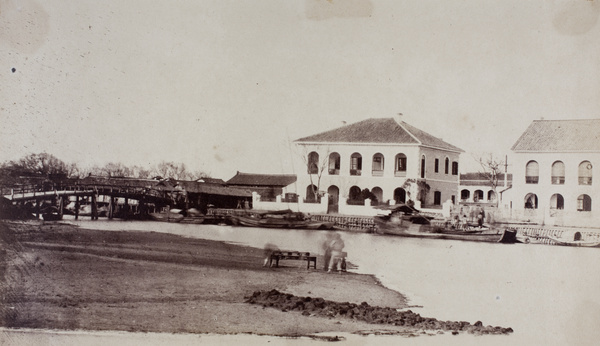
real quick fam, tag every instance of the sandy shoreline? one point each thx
(58, 276)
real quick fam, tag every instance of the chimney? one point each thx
(399, 117)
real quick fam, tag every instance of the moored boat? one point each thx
(577, 241)
(51, 214)
(172, 215)
(406, 222)
(278, 219)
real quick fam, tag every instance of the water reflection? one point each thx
(547, 294)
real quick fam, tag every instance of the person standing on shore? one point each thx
(337, 245)
(326, 246)
(268, 251)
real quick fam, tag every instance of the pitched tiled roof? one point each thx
(251, 179)
(380, 130)
(560, 135)
(214, 189)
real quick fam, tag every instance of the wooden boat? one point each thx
(407, 223)
(278, 219)
(172, 215)
(51, 214)
(577, 241)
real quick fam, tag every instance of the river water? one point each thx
(549, 295)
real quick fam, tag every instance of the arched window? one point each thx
(400, 169)
(313, 163)
(400, 195)
(423, 166)
(355, 164)
(447, 166)
(437, 198)
(334, 164)
(454, 168)
(585, 173)
(311, 194)
(465, 194)
(334, 195)
(558, 173)
(355, 196)
(531, 201)
(532, 172)
(377, 165)
(491, 196)
(478, 195)
(557, 201)
(584, 203)
(378, 193)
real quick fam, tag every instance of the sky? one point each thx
(225, 86)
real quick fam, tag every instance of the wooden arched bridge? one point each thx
(34, 196)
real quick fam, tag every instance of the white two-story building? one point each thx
(553, 168)
(395, 161)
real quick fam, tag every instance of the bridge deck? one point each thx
(46, 194)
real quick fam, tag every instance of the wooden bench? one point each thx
(293, 255)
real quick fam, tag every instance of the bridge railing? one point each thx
(101, 189)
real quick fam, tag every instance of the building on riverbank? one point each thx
(553, 166)
(268, 186)
(476, 188)
(393, 160)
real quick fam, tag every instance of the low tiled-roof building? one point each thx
(206, 192)
(553, 166)
(267, 185)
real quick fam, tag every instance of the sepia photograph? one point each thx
(305, 172)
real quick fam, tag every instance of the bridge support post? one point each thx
(61, 206)
(77, 207)
(111, 207)
(94, 207)
(37, 208)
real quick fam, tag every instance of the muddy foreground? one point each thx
(58, 276)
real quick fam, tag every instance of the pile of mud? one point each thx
(364, 312)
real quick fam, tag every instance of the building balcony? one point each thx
(377, 173)
(558, 180)
(400, 174)
(355, 172)
(532, 180)
(585, 180)
(334, 172)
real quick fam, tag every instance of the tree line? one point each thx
(47, 165)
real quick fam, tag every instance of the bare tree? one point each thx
(117, 170)
(491, 170)
(172, 170)
(42, 164)
(316, 162)
(141, 172)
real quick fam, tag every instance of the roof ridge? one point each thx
(265, 173)
(408, 131)
(556, 120)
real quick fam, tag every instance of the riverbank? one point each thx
(58, 276)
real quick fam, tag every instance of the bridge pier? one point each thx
(60, 207)
(37, 208)
(77, 207)
(94, 206)
(111, 207)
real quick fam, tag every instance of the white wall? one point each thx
(544, 189)
(388, 182)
